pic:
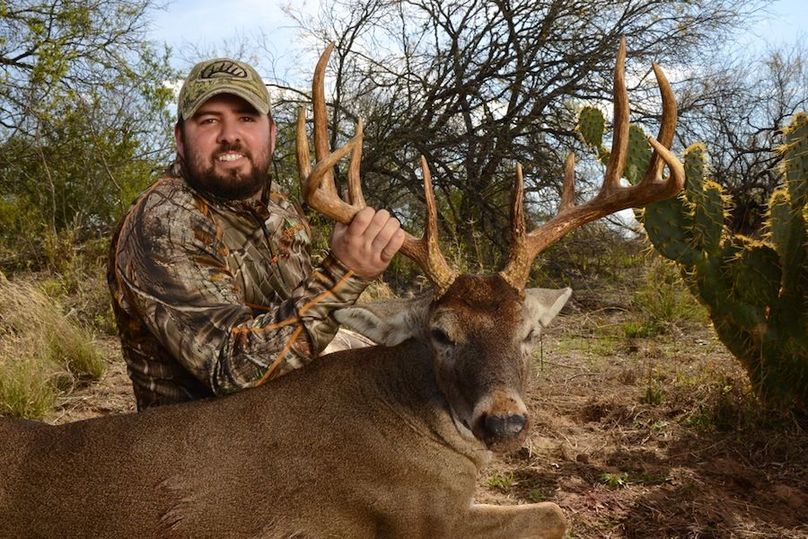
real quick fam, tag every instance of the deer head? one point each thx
(481, 329)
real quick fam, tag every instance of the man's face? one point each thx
(226, 147)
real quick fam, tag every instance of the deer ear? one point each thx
(388, 322)
(543, 304)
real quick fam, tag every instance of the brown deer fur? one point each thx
(375, 442)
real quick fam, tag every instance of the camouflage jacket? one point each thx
(211, 296)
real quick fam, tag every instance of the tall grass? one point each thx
(42, 352)
(76, 278)
(663, 302)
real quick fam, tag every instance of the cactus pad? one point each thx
(755, 290)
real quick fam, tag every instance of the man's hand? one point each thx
(368, 244)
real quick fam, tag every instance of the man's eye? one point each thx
(247, 119)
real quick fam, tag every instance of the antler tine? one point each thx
(317, 185)
(612, 196)
(315, 193)
(519, 260)
(354, 182)
(426, 251)
(320, 114)
(617, 159)
(667, 125)
(302, 149)
(320, 192)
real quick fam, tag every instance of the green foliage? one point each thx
(21, 228)
(756, 291)
(614, 480)
(641, 329)
(662, 302)
(84, 106)
(501, 481)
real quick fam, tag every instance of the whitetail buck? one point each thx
(376, 442)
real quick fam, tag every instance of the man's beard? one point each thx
(233, 184)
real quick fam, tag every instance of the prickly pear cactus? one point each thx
(755, 290)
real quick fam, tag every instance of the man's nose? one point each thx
(229, 131)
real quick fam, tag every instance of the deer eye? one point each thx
(441, 337)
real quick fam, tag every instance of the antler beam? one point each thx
(320, 192)
(612, 197)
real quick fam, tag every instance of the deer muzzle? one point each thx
(500, 421)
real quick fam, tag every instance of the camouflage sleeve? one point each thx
(176, 277)
(302, 326)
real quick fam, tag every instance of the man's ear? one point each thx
(178, 140)
(273, 133)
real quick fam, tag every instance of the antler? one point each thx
(612, 196)
(320, 191)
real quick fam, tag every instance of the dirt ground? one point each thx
(652, 438)
(637, 438)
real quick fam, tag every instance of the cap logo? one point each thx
(223, 69)
(221, 75)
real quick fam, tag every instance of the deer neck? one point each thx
(408, 388)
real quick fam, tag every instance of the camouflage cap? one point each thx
(222, 76)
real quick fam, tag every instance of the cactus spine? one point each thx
(756, 291)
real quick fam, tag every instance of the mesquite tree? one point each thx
(476, 86)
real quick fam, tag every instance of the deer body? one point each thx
(363, 443)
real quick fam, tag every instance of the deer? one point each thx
(384, 441)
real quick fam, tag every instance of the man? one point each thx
(212, 284)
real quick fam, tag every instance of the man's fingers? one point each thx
(377, 224)
(383, 236)
(364, 222)
(339, 229)
(392, 247)
(369, 242)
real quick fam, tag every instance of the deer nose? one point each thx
(500, 420)
(504, 426)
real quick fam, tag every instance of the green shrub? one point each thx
(663, 302)
(501, 481)
(77, 279)
(614, 480)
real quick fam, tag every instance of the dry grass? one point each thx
(42, 352)
(377, 290)
(654, 436)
